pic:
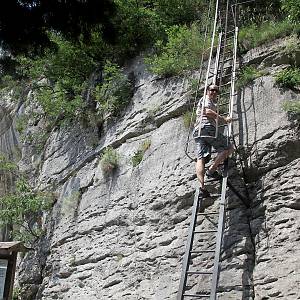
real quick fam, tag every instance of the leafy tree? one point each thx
(24, 23)
(137, 24)
(292, 9)
(21, 209)
(180, 11)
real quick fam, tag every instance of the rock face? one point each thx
(123, 236)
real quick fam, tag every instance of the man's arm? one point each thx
(212, 114)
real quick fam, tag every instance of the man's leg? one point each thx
(200, 170)
(220, 158)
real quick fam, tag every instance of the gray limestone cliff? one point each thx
(123, 236)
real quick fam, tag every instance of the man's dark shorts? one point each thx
(208, 140)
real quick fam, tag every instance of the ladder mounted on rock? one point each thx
(201, 263)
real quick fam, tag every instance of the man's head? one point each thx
(212, 91)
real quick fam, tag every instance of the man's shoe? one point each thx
(215, 175)
(203, 193)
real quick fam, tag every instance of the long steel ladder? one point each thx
(199, 267)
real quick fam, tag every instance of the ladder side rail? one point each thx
(233, 78)
(224, 29)
(219, 240)
(217, 59)
(224, 183)
(215, 76)
(209, 63)
(189, 246)
(199, 80)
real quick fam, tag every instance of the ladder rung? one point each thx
(225, 93)
(227, 59)
(222, 104)
(214, 179)
(225, 84)
(195, 295)
(202, 251)
(206, 231)
(199, 272)
(230, 31)
(207, 214)
(224, 68)
(227, 45)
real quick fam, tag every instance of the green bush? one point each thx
(139, 154)
(289, 78)
(109, 160)
(181, 52)
(255, 35)
(247, 75)
(7, 165)
(60, 78)
(114, 93)
(291, 47)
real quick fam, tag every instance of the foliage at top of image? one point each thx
(262, 21)
(35, 18)
(60, 80)
(109, 160)
(61, 74)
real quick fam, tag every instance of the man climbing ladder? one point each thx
(207, 135)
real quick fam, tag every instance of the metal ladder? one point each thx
(200, 271)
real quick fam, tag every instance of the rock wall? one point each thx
(123, 236)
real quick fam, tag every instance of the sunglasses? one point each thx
(213, 90)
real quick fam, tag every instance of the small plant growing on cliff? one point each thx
(189, 118)
(70, 204)
(292, 108)
(109, 160)
(248, 74)
(289, 78)
(113, 94)
(139, 154)
(291, 47)
(152, 111)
